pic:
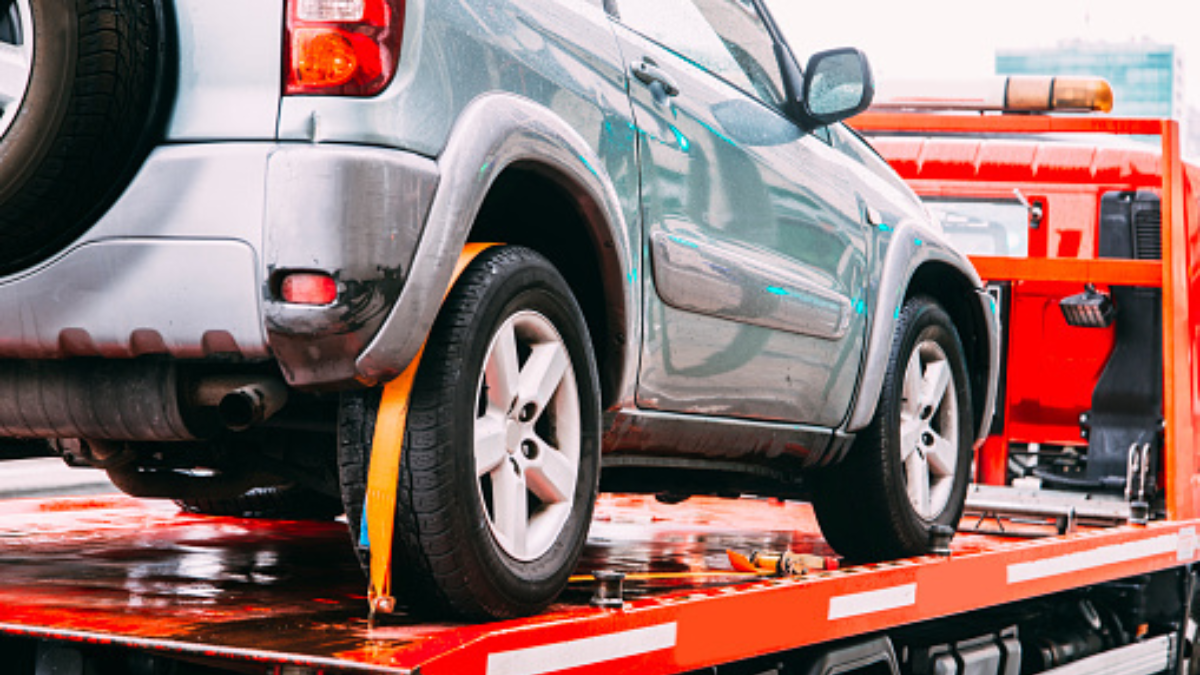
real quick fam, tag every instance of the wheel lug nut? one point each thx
(527, 412)
(529, 449)
(927, 438)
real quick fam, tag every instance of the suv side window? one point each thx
(725, 37)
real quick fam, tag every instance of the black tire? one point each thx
(863, 504)
(285, 501)
(450, 556)
(84, 121)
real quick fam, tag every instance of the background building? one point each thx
(1147, 77)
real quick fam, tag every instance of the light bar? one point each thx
(1016, 93)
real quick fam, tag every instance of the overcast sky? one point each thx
(958, 38)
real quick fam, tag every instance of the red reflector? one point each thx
(308, 288)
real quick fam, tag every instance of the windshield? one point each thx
(984, 227)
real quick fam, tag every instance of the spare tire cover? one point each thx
(80, 86)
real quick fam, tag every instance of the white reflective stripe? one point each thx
(1187, 545)
(869, 602)
(1098, 557)
(583, 652)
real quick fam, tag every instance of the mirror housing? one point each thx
(837, 85)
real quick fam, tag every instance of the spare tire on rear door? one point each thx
(80, 85)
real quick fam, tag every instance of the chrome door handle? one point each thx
(648, 73)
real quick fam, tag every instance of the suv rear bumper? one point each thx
(187, 262)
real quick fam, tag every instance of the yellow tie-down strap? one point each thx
(384, 475)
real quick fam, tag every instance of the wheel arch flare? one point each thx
(920, 262)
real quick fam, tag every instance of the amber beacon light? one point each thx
(1058, 93)
(342, 47)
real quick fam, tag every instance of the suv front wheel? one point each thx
(908, 470)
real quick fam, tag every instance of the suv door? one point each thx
(754, 230)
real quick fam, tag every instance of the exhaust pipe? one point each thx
(250, 404)
(242, 401)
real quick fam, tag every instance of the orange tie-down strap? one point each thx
(384, 474)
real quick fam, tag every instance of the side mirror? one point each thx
(837, 85)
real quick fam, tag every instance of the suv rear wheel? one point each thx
(501, 454)
(79, 85)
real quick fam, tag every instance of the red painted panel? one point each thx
(1005, 161)
(1072, 162)
(1052, 367)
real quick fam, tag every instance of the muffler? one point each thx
(138, 400)
(118, 400)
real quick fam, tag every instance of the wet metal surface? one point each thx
(49, 477)
(141, 573)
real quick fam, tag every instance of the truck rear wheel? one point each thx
(908, 470)
(79, 86)
(501, 453)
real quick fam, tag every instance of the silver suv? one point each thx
(227, 225)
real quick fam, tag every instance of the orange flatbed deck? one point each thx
(141, 575)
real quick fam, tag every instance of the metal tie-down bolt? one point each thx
(939, 539)
(1139, 512)
(384, 604)
(608, 591)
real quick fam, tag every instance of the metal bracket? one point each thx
(1135, 483)
(1024, 512)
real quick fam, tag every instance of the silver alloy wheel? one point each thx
(929, 429)
(527, 435)
(16, 60)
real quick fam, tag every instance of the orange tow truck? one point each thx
(1077, 555)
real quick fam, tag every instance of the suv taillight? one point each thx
(342, 47)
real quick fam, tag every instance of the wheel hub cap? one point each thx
(929, 430)
(513, 436)
(527, 435)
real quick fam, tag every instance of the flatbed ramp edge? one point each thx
(275, 596)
